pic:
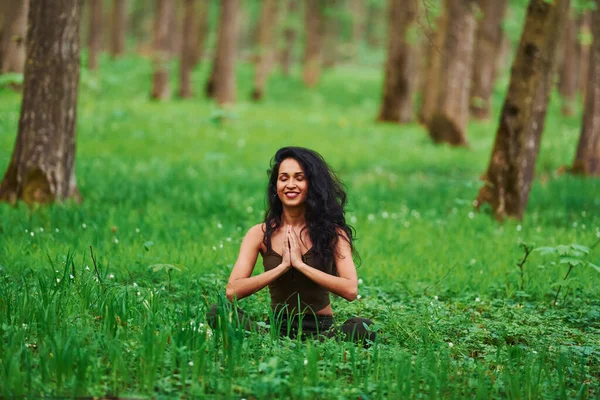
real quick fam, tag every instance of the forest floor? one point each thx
(169, 191)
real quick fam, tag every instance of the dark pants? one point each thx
(305, 325)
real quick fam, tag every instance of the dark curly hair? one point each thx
(325, 204)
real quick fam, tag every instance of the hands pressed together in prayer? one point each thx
(292, 253)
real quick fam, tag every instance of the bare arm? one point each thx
(345, 284)
(241, 284)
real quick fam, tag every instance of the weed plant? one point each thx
(169, 191)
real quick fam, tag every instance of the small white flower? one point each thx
(360, 281)
(87, 268)
(435, 297)
(358, 296)
(138, 293)
(57, 280)
(471, 215)
(32, 234)
(477, 299)
(57, 230)
(219, 225)
(305, 361)
(111, 276)
(71, 276)
(214, 248)
(519, 228)
(26, 230)
(534, 352)
(135, 284)
(201, 325)
(473, 261)
(574, 224)
(191, 363)
(220, 245)
(192, 322)
(182, 329)
(84, 225)
(371, 217)
(41, 229)
(228, 239)
(451, 344)
(116, 241)
(385, 215)
(137, 230)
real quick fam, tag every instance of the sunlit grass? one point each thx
(171, 183)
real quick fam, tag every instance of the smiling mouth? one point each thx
(292, 195)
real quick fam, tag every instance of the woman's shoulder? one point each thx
(255, 235)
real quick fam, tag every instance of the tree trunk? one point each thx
(2, 27)
(400, 55)
(569, 67)
(188, 48)
(512, 164)
(289, 38)
(266, 36)
(118, 20)
(175, 37)
(373, 20)
(95, 34)
(202, 10)
(358, 26)
(431, 83)
(42, 167)
(487, 51)
(224, 74)
(13, 43)
(161, 53)
(449, 120)
(312, 49)
(583, 51)
(587, 159)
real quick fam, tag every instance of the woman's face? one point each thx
(292, 186)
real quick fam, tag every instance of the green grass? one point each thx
(169, 183)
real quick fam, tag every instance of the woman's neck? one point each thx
(293, 216)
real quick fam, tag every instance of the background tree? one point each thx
(13, 40)
(449, 120)
(202, 11)
(488, 47)
(357, 10)
(583, 50)
(265, 51)
(569, 68)
(313, 21)
(118, 24)
(331, 33)
(510, 173)
(587, 158)
(400, 57)
(94, 33)
(289, 37)
(42, 167)
(161, 53)
(188, 51)
(224, 68)
(2, 26)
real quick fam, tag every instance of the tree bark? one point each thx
(289, 38)
(400, 55)
(266, 36)
(161, 52)
(175, 37)
(2, 27)
(188, 48)
(487, 51)
(42, 167)
(95, 34)
(202, 10)
(331, 34)
(449, 120)
(224, 74)
(434, 49)
(569, 68)
(312, 49)
(118, 21)
(587, 158)
(13, 42)
(583, 51)
(357, 9)
(510, 173)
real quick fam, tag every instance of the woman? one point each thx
(306, 247)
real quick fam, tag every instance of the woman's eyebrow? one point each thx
(295, 173)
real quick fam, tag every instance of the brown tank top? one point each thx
(293, 288)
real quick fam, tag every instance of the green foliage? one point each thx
(170, 189)
(10, 79)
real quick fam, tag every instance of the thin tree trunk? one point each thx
(400, 55)
(331, 34)
(2, 27)
(95, 34)
(357, 9)
(202, 10)
(42, 167)
(512, 164)
(413, 67)
(487, 51)
(161, 52)
(266, 36)
(289, 38)
(449, 120)
(312, 49)
(188, 48)
(118, 21)
(569, 67)
(435, 43)
(224, 79)
(587, 159)
(175, 37)
(13, 43)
